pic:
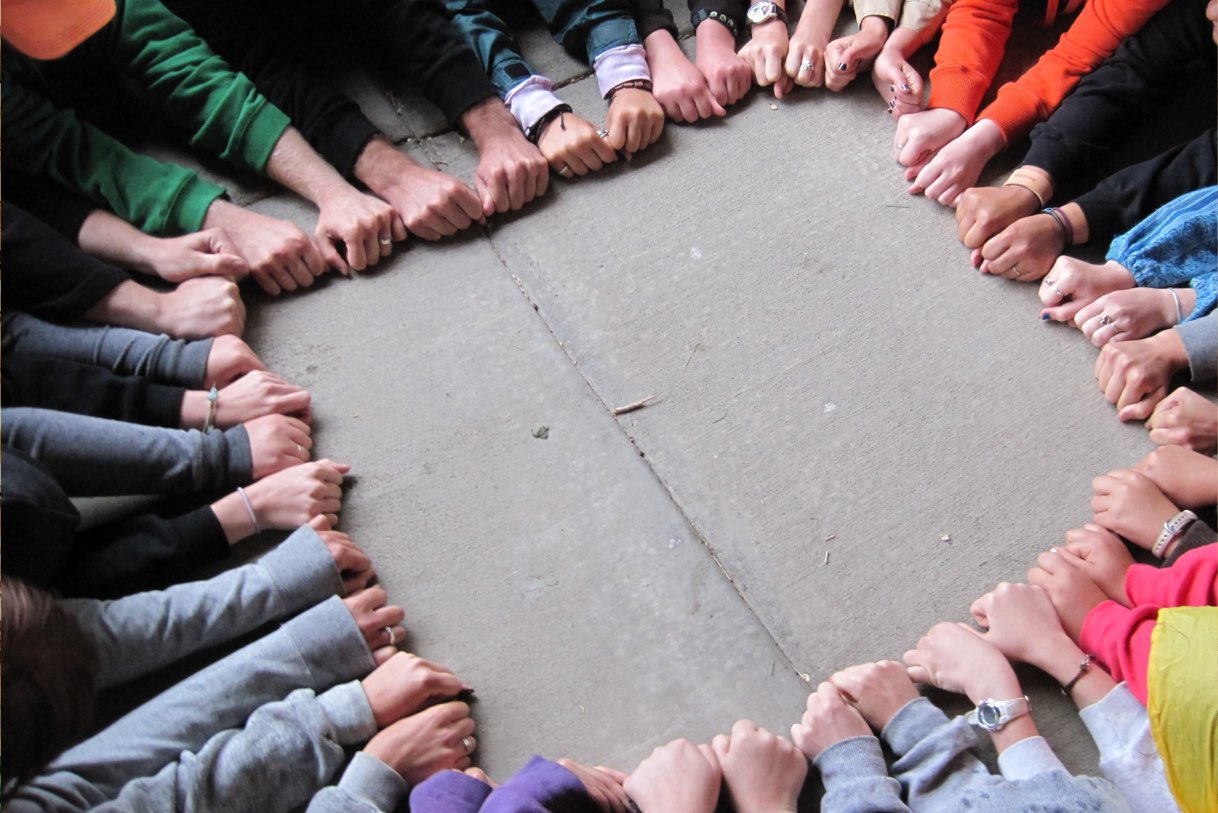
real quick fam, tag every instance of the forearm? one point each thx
(114, 240)
(489, 121)
(294, 164)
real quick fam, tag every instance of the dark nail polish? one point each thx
(892, 88)
(1044, 317)
(890, 111)
(842, 66)
(893, 103)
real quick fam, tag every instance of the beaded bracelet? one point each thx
(1063, 223)
(629, 84)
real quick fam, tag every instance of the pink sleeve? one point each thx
(1119, 638)
(1191, 582)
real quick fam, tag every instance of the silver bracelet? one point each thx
(213, 401)
(249, 506)
(1179, 310)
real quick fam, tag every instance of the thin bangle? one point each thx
(249, 506)
(1083, 668)
(1063, 223)
(213, 400)
(1179, 310)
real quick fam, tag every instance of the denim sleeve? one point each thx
(492, 42)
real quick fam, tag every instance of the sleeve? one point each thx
(320, 648)
(63, 210)
(122, 351)
(936, 758)
(1200, 339)
(652, 16)
(541, 786)
(920, 15)
(971, 47)
(1175, 245)
(492, 41)
(156, 197)
(856, 779)
(45, 274)
(1196, 535)
(52, 383)
(1100, 27)
(139, 634)
(1128, 756)
(888, 9)
(370, 786)
(284, 753)
(449, 792)
(1097, 115)
(1119, 201)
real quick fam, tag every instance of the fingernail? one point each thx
(893, 103)
(892, 88)
(905, 88)
(842, 66)
(1044, 317)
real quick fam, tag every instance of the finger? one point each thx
(1136, 411)
(720, 745)
(634, 133)
(519, 190)
(319, 523)
(467, 202)
(603, 150)
(368, 240)
(383, 654)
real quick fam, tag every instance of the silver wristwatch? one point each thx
(993, 715)
(763, 11)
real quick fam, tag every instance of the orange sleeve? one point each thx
(1091, 38)
(971, 46)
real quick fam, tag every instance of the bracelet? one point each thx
(1039, 199)
(1031, 182)
(718, 16)
(1083, 668)
(1063, 223)
(629, 84)
(213, 399)
(538, 129)
(249, 506)
(1171, 529)
(1179, 310)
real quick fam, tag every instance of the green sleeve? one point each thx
(156, 197)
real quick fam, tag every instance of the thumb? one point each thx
(913, 81)
(320, 523)
(1137, 412)
(848, 59)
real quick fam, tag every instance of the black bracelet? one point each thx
(702, 14)
(539, 127)
(1063, 223)
(1083, 668)
(629, 84)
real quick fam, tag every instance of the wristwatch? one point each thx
(702, 14)
(1172, 529)
(993, 715)
(763, 11)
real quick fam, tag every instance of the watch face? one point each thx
(760, 12)
(988, 715)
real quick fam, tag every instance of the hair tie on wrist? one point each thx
(1063, 223)
(213, 401)
(249, 506)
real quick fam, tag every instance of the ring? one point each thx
(1015, 269)
(603, 133)
(899, 146)
(565, 171)
(299, 450)
(393, 638)
(1058, 291)
(385, 242)
(468, 743)
(1105, 320)
(806, 65)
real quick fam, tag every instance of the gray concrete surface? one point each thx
(854, 433)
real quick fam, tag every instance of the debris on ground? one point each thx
(541, 432)
(633, 406)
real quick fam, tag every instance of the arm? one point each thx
(1128, 756)
(972, 45)
(173, 259)
(856, 778)
(1174, 245)
(51, 383)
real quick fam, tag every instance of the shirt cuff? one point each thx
(624, 63)
(372, 781)
(347, 709)
(1027, 758)
(911, 723)
(531, 100)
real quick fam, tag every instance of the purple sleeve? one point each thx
(541, 786)
(449, 792)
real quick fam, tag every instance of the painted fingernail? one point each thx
(905, 88)
(893, 103)
(892, 88)
(842, 66)
(1044, 317)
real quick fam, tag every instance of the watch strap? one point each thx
(1172, 529)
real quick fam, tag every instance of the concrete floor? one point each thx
(854, 434)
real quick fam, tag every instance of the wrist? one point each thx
(1078, 221)
(715, 37)
(487, 121)
(1034, 179)
(874, 29)
(233, 517)
(987, 136)
(193, 413)
(1167, 345)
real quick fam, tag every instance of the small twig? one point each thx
(631, 407)
(693, 350)
(826, 557)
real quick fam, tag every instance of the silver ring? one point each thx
(468, 744)
(806, 65)
(565, 171)
(899, 146)
(299, 450)
(393, 636)
(1058, 291)
(1015, 269)
(603, 133)
(1105, 320)
(385, 243)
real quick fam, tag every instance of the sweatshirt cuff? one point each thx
(1198, 338)
(541, 782)
(374, 783)
(330, 643)
(851, 758)
(261, 135)
(624, 63)
(164, 404)
(910, 725)
(188, 207)
(346, 707)
(1111, 718)
(451, 792)
(959, 90)
(189, 363)
(239, 461)
(1015, 111)
(302, 570)
(1027, 758)
(531, 100)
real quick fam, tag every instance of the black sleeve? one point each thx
(58, 207)
(1197, 535)
(45, 274)
(1098, 114)
(1121, 200)
(653, 17)
(36, 380)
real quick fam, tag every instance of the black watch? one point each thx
(702, 14)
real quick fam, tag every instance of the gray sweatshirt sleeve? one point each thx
(139, 634)
(1129, 758)
(285, 752)
(368, 786)
(856, 779)
(92, 457)
(121, 350)
(317, 649)
(1200, 339)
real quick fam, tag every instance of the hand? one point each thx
(1134, 375)
(280, 256)
(958, 165)
(897, 82)
(765, 53)
(354, 566)
(365, 226)
(511, 173)
(603, 785)
(846, 56)
(677, 84)
(635, 121)
(428, 203)
(374, 617)
(426, 743)
(1023, 251)
(1103, 557)
(877, 690)
(203, 253)
(260, 393)
(828, 720)
(921, 135)
(1060, 574)
(1124, 315)
(984, 211)
(277, 442)
(1185, 419)
(1073, 285)
(805, 63)
(763, 773)
(679, 776)
(727, 75)
(405, 684)
(956, 658)
(1189, 479)
(1020, 622)
(229, 359)
(298, 494)
(1128, 503)
(572, 145)
(200, 308)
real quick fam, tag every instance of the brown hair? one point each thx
(48, 672)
